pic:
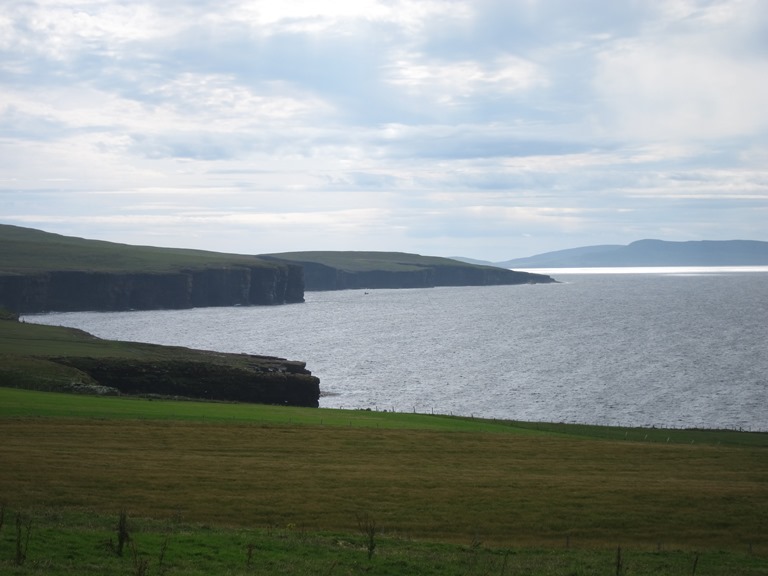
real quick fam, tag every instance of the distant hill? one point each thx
(651, 253)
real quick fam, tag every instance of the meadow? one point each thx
(246, 489)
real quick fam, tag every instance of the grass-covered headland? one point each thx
(214, 488)
(43, 272)
(59, 359)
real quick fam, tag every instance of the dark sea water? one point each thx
(679, 348)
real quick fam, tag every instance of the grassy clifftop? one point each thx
(350, 270)
(352, 261)
(53, 358)
(41, 272)
(29, 251)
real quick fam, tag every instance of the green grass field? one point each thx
(448, 495)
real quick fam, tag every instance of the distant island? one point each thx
(651, 253)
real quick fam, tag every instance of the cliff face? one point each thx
(485, 276)
(323, 277)
(59, 359)
(226, 286)
(257, 379)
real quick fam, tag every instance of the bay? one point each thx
(666, 347)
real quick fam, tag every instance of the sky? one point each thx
(491, 129)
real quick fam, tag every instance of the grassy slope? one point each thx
(426, 476)
(25, 350)
(39, 340)
(23, 403)
(29, 251)
(292, 483)
(26, 251)
(368, 261)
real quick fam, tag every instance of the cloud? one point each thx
(463, 79)
(438, 126)
(691, 77)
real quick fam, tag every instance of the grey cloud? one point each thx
(531, 28)
(364, 114)
(370, 180)
(17, 124)
(194, 145)
(344, 69)
(481, 140)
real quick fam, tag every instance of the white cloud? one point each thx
(449, 82)
(314, 17)
(682, 91)
(689, 76)
(425, 125)
(203, 99)
(58, 30)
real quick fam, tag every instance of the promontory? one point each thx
(44, 272)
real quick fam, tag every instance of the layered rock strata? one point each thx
(83, 290)
(318, 276)
(256, 379)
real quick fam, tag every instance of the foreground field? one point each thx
(84, 544)
(498, 496)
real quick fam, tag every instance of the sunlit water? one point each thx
(677, 348)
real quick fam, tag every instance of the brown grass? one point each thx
(501, 489)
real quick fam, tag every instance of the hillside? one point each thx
(53, 358)
(360, 270)
(651, 253)
(30, 251)
(40, 272)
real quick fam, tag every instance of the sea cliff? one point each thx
(44, 272)
(71, 290)
(363, 270)
(41, 272)
(256, 379)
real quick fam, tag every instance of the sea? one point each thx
(663, 347)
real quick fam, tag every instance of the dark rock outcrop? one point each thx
(83, 290)
(256, 379)
(319, 277)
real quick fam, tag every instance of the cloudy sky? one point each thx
(484, 128)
